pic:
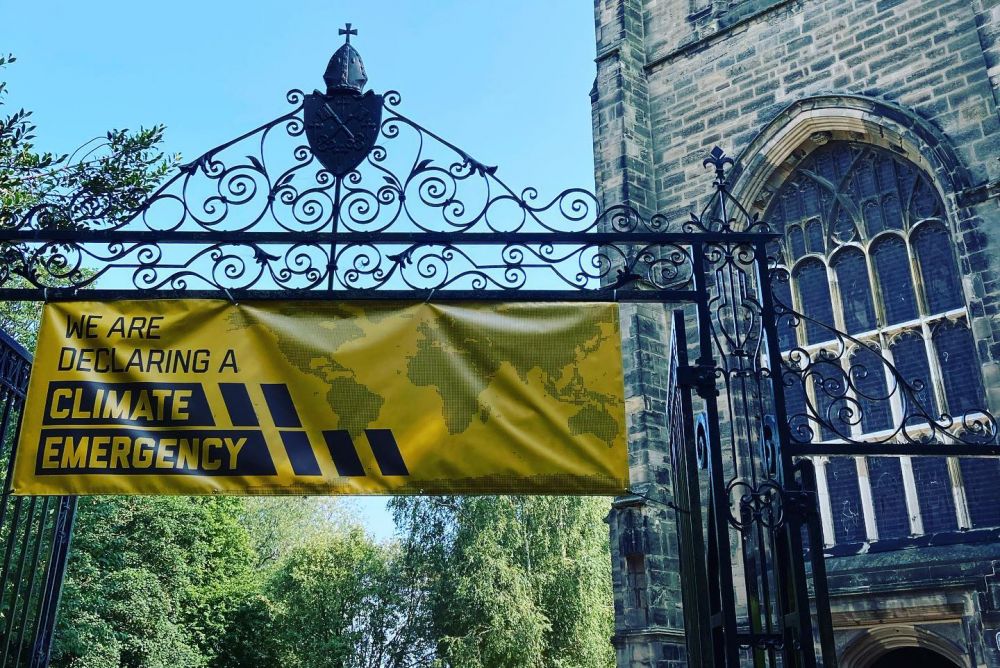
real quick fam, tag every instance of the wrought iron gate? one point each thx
(754, 568)
(34, 535)
(346, 198)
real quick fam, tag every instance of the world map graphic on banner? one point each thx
(433, 364)
(207, 397)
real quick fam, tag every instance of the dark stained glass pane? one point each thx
(791, 203)
(803, 429)
(891, 213)
(892, 271)
(814, 299)
(826, 199)
(910, 359)
(868, 378)
(843, 225)
(809, 194)
(872, 214)
(865, 174)
(888, 497)
(776, 250)
(855, 292)
(959, 368)
(845, 500)
(824, 164)
(980, 478)
(798, 241)
(925, 202)
(843, 158)
(886, 167)
(775, 219)
(942, 286)
(834, 410)
(814, 237)
(906, 177)
(937, 506)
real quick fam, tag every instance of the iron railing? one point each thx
(35, 534)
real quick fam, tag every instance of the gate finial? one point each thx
(345, 70)
(347, 30)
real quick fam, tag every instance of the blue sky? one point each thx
(507, 81)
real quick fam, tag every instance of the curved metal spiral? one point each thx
(261, 212)
(841, 396)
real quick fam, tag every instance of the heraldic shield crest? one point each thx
(342, 127)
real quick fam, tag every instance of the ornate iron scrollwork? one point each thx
(723, 213)
(763, 503)
(835, 395)
(269, 212)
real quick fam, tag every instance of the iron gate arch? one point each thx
(345, 198)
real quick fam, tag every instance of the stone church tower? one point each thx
(867, 132)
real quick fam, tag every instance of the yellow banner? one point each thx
(207, 397)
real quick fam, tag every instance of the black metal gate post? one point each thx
(34, 534)
(684, 456)
(801, 503)
(52, 590)
(725, 643)
(759, 499)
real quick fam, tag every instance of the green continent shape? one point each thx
(596, 420)
(344, 388)
(461, 363)
(459, 393)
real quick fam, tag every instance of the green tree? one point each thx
(321, 591)
(339, 600)
(279, 525)
(100, 184)
(151, 581)
(513, 581)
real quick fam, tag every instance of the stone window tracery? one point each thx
(869, 253)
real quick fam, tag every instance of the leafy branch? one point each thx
(103, 182)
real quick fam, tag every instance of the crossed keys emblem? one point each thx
(342, 127)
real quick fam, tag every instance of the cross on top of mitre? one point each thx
(348, 31)
(345, 70)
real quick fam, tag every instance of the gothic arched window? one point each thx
(869, 253)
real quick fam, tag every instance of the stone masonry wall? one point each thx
(644, 556)
(938, 60)
(923, 55)
(677, 77)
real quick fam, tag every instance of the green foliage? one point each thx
(102, 182)
(215, 582)
(148, 580)
(99, 184)
(492, 582)
(279, 525)
(20, 319)
(321, 591)
(514, 581)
